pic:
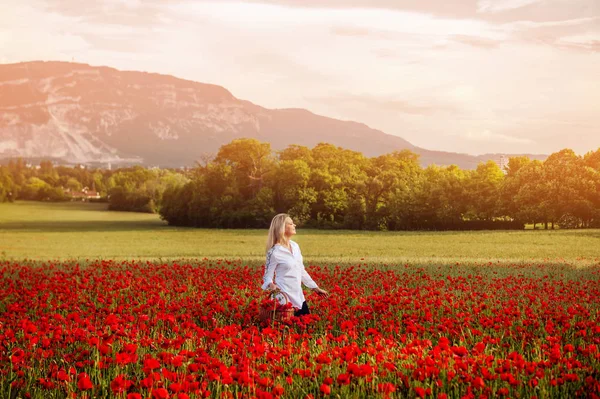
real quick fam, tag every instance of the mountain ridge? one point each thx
(94, 115)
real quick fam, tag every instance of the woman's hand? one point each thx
(273, 287)
(321, 292)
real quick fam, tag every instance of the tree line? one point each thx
(134, 189)
(246, 183)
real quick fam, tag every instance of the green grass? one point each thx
(42, 231)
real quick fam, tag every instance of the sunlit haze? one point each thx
(474, 76)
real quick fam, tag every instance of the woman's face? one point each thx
(290, 227)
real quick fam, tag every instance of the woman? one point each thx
(284, 261)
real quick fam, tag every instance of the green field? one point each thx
(49, 231)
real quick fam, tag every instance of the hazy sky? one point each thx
(470, 76)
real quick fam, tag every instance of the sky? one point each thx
(471, 76)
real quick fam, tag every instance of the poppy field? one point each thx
(135, 329)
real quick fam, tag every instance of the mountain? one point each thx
(78, 113)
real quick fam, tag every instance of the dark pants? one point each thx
(303, 311)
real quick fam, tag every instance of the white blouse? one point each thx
(289, 272)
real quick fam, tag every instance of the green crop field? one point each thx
(42, 231)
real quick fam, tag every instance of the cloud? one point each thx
(485, 6)
(127, 12)
(488, 136)
(281, 67)
(475, 41)
(526, 24)
(450, 8)
(588, 42)
(496, 11)
(381, 103)
(487, 39)
(351, 31)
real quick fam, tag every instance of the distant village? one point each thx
(83, 195)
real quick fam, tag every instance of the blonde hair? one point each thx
(277, 231)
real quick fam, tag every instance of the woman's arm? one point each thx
(307, 279)
(270, 264)
(310, 283)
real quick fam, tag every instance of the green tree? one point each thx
(289, 183)
(34, 189)
(7, 187)
(511, 185)
(73, 185)
(532, 194)
(336, 176)
(592, 160)
(296, 153)
(483, 189)
(250, 161)
(385, 175)
(567, 180)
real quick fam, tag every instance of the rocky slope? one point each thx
(78, 113)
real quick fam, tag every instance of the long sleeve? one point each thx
(306, 278)
(270, 264)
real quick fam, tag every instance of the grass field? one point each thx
(41, 231)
